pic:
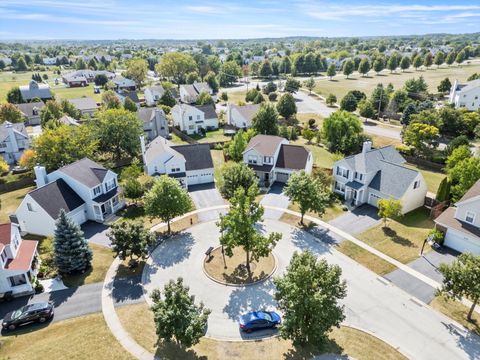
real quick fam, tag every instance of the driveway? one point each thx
(382, 309)
(96, 233)
(206, 195)
(275, 197)
(358, 220)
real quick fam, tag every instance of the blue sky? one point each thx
(142, 19)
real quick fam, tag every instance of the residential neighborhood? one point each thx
(242, 180)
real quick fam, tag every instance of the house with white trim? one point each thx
(153, 94)
(272, 159)
(466, 95)
(461, 223)
(84, 189)
(35, 90)
(189, 164)
(154, 122)
(241, 116)
(189, 92)
(376, 174)
(19, 261)
(13, 141)
(194, 119)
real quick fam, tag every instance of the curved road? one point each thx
(371, 304)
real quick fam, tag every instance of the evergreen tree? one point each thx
(167, 99)
(405, 63)
(72, 252)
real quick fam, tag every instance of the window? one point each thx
(17, 280)
(267, 159)
(29, 207)
(3, 256)
(191, 127)
(358, 176)
(252, 159)
(110, 185)
(342, 172)
(470, 217)
(198, 117)
(416, 184)
(97, 190)
(190, 118)
(339, 186)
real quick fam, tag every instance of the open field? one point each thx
(402, 238)
(10, 79)
(10, 201)
(85, 337)
(340, 85)
(321, 156)
(62, 92)
(212, 136)
(138, 321)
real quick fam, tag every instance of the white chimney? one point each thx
(40, 175)
(142, 146)
(367, 146)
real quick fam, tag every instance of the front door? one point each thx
(267, 176)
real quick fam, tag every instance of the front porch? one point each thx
(22, 271)
(353, 192)
(107, 205)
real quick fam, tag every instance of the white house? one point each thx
(153, 94)
(19, 261)
(189, 93)
(465, 95)
(461, 223)
(154, 122)
(31, 112)
(272, 159)
(377, 174)
(84, 189)
(189, 164)
(13, 141)
(49, 61)
(35, 90)
(86, 105)
(194, 119)
(241, 116)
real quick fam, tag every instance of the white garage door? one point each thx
(459, 242)
(79, 217)
(193, 179)
(282, 177)
(206, 178)
(200, 178)
(373, 199)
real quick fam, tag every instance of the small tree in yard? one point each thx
(348, 67)
(308, 296)
(309, 84)
(265, 120)
(331, 71)
(237, 147)
(308, 192)
(236, 175)
(3, 166)
(308, 134)
(176, 315)
(130, 239)
(460, 279)
(166, 200)
(238, 227)
(389, 209)
(331, 100)
(72, 253)
(286, 106)
(133, 189)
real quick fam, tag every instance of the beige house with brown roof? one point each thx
(273, 159)
(461, 223)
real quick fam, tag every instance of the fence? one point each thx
(428, 165)
(16, 185)
(183, 136)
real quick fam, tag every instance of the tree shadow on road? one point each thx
(469, 342)
(173, 250)
(306, 241)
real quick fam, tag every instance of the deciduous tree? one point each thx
(309, 84)
(389, 209)
(265, 120)
(10, 113)
(236, 175)
(342, 132)
(175, 66)
(237, 147)
(348, 68)
(129, 239)
(286, 106)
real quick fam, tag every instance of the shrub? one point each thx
(272, 96)
(405, 149)
(437, 236)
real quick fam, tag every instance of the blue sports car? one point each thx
(257, 320)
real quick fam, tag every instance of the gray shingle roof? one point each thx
(35, 90)
(392, 179)
(85, 171)
(292, 157)
(266, 145)
(27, 108)
(368, 161)
(55, 196)
(147, 114)
(474, 191)
(84, 103)
(18, 127)
(197, 156)
(208, 110)
(247, 111)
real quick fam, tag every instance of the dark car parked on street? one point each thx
(38, 312)
(257, 320)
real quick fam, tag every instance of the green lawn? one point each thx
(457, 311)
(402, 239)
(235, 97)
(10, 79)
(432, 178)
(321, 156)
(62, 92)
(176, 139)
(212, 136)
(304, 117)
(218, 162)
(10, 201)
(340, 85)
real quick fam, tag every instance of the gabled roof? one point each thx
(366, 162)
(473, 192)
(27, 108)
(202, 86)
(158, 147)
(197, 156)
(266, 145)
(86, 172)
(293, 157)
(448, 219)
(156, 90)
(67, 120)
(208, 111)
(247, 111)
(84, 103)
(190, 90)
(18, 128)
(35, 90)
(393, 179)
(470, 85)
(147, 114)
(124, 82)
(55, 196)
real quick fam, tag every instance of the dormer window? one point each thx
(358, 176)
(268, 159)
(252, 159)
(470, 217)
(97, 190)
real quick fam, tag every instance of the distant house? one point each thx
(241, 116)
(19, 261)
(86, 105)
(189, 93)
(84, 189)
(31, 112)
(73, 80)
(35, 90)
(272, 159)
(13, 141)
(153, 94)
(154, 122)
(84, 77)
(67, 120)
(466, 95)
(461, 223)
(133, 95)
(189, 164)
(49, 61)
(124, 84)
(376, 174)
(194, 119)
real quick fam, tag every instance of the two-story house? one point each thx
(86, 105)
(189, 164)
(272, 159)
(154, 122)
(189, 93)
(84, 189)
(13, 141)
(241, 116)
(194, 119)
(35, 90)
(461, 223)
(31, 112)
(19, 261)
(465, 95)
(124, 84)
(377, 174)
(153, 94)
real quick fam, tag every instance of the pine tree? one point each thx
(72, 252)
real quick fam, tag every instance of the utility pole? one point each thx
(380, 102)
